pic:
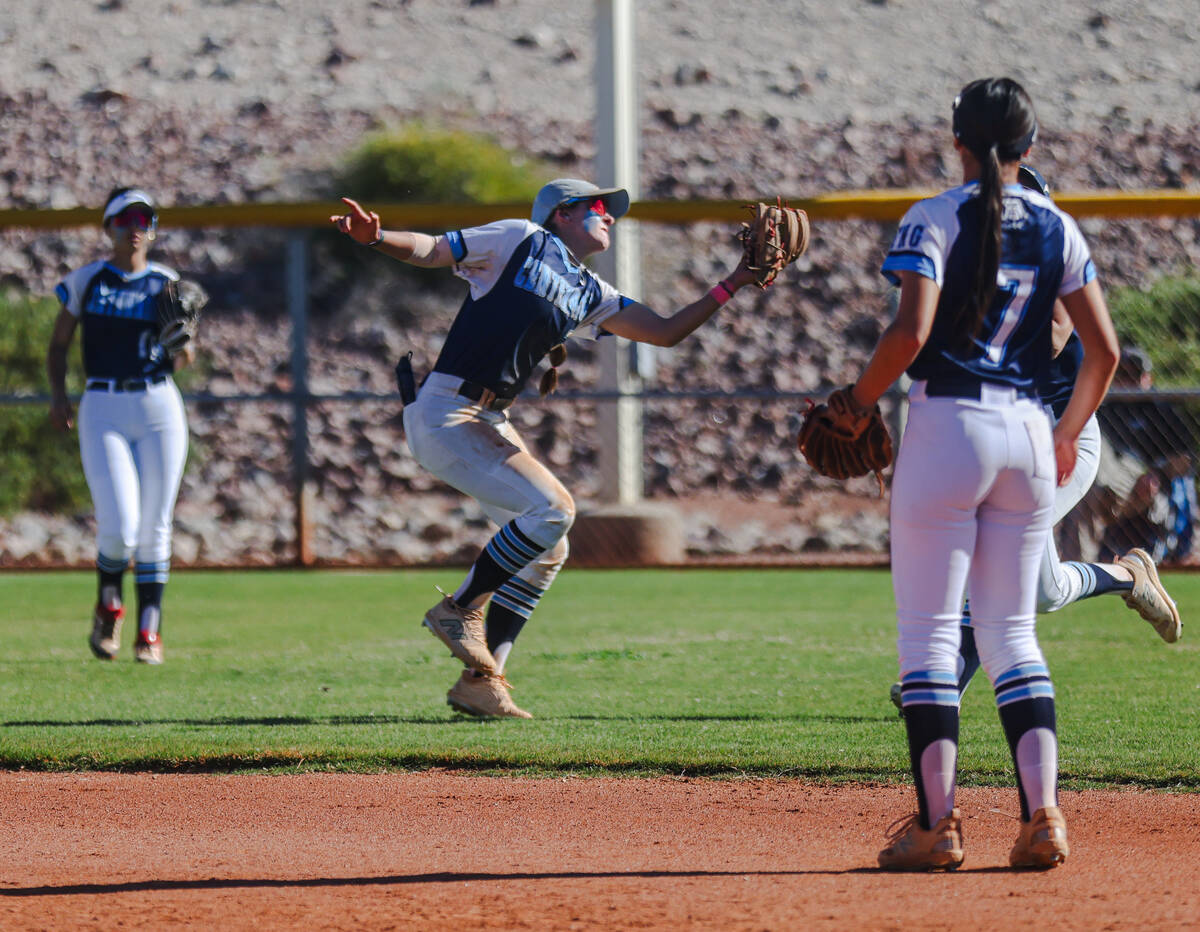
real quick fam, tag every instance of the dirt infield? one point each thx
(442, 851)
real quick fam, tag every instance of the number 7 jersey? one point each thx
(1043, 256)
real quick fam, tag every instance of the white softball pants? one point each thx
(1056, 586)
(133, 446)
(972, 500)
(481, 454)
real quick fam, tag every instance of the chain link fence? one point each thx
(723, 482)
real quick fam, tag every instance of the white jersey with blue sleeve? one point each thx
(1043, 256)
(528, 293)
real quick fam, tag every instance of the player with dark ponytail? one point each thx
(980, 268)
(995, 122)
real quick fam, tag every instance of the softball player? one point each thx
(132, 427)
(980, 267)
(1060, 583)
(529, 291)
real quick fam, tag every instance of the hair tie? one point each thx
(557, 356)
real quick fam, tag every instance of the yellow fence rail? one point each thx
(848, 205)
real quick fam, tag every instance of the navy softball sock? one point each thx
(149, 597)
(111, 575)
(930, 703)
(1025, 699)
(503, 625)
(969, 654)
(505, 555)
(1097, 581)
(932, 728)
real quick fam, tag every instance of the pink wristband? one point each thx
(720, 293)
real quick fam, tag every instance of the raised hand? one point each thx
(360, 225)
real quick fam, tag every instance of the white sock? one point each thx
(938, 764)
(501, 654)
(1037, 768)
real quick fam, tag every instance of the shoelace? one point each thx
(473, 616)
(900, 827)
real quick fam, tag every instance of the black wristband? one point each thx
(375, 242)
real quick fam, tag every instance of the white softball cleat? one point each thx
(1148, 597)
(1042, 843)
(105, 641)
(462, 630)
(148, 649)
(483, 696)
(912, 848)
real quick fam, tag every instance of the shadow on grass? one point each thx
(300, 720)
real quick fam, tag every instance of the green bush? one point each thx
(39, 465)
(419, 164)
(1164, 320)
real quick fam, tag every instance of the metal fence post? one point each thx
(296, 288)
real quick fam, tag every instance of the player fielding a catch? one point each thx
(528, 291)
(979, 268)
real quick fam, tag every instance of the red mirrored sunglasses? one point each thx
(596, 205)
(133, 218)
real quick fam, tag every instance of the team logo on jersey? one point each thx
(538, 278)
(1015, 215)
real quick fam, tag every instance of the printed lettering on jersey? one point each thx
(538, 278)
(119, 319)
(129, 301)
(528, 294)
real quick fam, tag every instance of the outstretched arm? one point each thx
(643, 325)
(421, 249)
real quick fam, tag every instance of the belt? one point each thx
(124, 385)
(954, 388)
(475, 392)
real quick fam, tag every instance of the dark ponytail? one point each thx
(995, 122)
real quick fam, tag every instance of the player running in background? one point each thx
(132, 426)
(980, 267)
(529, 291)
(1134, 576)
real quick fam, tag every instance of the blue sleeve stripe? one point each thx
(1089, 271)
(60, 292)
(907, 262)
(458, 248)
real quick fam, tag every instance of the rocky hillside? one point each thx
(203, 108)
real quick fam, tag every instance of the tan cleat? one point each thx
(911, 848)
(106, 630)
(484, 696)
(461, 629)
(1148, 597)
(1043, 841)
(148, 649)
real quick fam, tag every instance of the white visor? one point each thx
(128, 199)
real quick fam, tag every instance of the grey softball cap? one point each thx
(560, 190)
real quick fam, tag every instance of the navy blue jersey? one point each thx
(1043, 256)
(119, 320)
(1059, 379)
(528, 293)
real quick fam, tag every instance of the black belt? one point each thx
(125, 385)
(955, 388)
(473, 392)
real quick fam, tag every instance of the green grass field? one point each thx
(737, 672)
